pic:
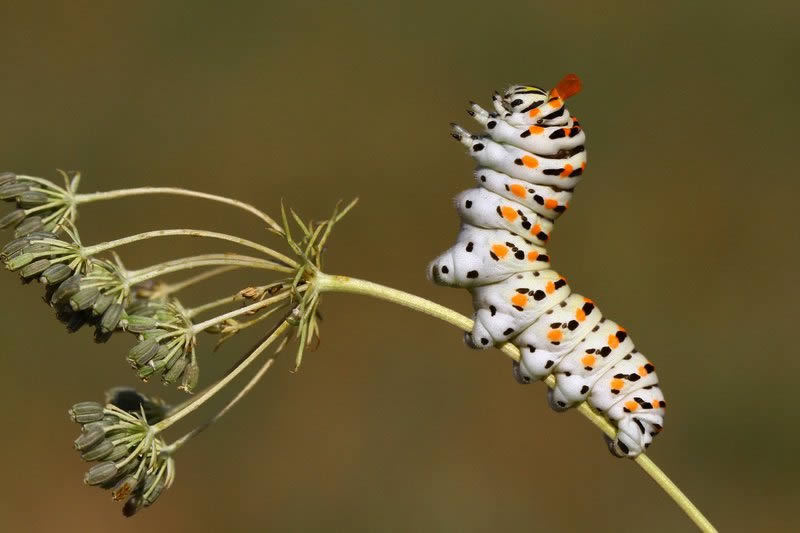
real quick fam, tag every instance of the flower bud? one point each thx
(12, 247)
(55, 274)
(101, 304)
(29, 225)
(12, 219)
(101, 473)
(32, 199)
(111, 318)
(153, 491)
(10, 191)
(190, 377)
(139, 324)
(67, 288)
(84, 412)
(120, 451)
(84, 298)
(7, 177)
(176, 370)
(88, 438)
(35, 268)
(19, 261)
(100, 451)
(141, 353)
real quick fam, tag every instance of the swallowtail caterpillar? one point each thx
(529, 162)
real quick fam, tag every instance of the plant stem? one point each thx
(241, 394)
(237, 369)
(249, 309)
(172, 288)
(329, 283)
(121, 193)
(138, 276)
(92, 250)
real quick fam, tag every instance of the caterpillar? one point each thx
(528, 163)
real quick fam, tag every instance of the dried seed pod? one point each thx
(101, 304)
(84, 298)
(141, 353)
(191, 375)
(12, 219)
(10, 191)
(19, 260)
(139, 324)
(98, 452)
(175, 370)
(119, 451)
(7, 177)
(85, 412)
(29, 225)
(55, 274)
(35, 268)
(111, 318)
(89, 438)
(101, 473)
(67, 288)
(32, 199)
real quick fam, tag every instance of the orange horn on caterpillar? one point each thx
(570, 85)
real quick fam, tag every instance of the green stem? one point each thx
(138, 276)
(122, 193)
(328, 283)
(92, 250)
(204, 396)
(241, 394)
(249, 309)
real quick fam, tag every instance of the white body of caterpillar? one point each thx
(528, 164)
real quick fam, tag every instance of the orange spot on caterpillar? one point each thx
(555, 335)
(580, 316)
(642, 371)
(588, 360)
(533, 112)
(567, 171)
(557, 102)
(519, 300)
(530, 161)
(509, 213)
(518, 190)
(569, 86)
(550, 203)
(536, 229)
(550, 288)
(617, 384)
(533, 255)
(535, 130)
(583, 165)
(631, 405)
(656, 404)
(500, 250)
(613, 341)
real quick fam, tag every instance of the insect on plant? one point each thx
(529, 162)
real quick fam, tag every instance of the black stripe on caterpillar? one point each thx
(529, 162)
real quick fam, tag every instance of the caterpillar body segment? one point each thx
(529, 162)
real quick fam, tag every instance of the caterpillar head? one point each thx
(527, 98)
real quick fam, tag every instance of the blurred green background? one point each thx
(684, 230)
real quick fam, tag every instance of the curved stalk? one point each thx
(138, 191)
(138, 276)
(186, 409)
(329, 283)
(97, 248)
